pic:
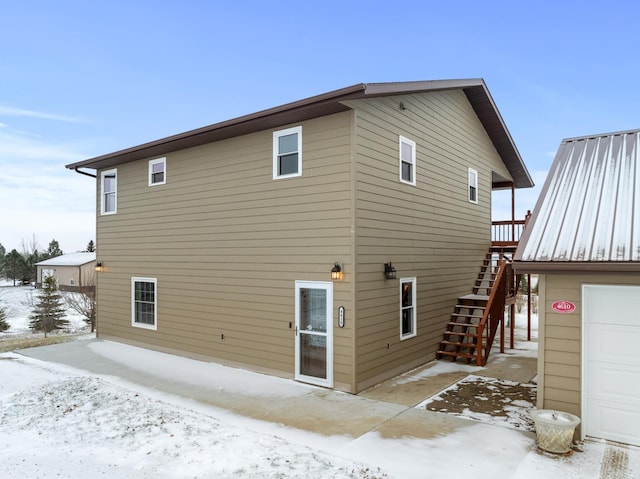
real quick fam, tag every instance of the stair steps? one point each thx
(460, 338)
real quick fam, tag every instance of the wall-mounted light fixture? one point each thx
(99, 267)
(336, 272)
(389, 271)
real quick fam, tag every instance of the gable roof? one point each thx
(71, 259)
(587, 213)
(326, 104)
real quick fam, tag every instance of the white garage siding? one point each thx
(611, 363)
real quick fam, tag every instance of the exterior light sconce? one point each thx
(389, 271)
(336, 272)
(99, 267)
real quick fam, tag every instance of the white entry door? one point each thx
(314, 333)
(611, 362)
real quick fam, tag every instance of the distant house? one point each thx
(325, 240)
(72, 271)
(584, 241)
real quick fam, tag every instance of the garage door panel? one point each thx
(612, 304)
(613, 343)
(613, 422)
(614, 383)
(611, 316)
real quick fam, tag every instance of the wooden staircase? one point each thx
(476, 316)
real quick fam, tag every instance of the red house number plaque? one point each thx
(563, 307)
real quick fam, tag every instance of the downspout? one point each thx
(84, 172)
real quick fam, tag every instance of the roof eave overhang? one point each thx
(544, 267)
(325, 104)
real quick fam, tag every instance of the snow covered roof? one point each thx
(587, 213)
(71, 259)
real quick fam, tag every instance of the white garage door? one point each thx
(611, 340)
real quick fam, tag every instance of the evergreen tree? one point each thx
(14, 265)
(54, 250)
(3, 252)
(91, 247)
(4, 325)
(48, 312)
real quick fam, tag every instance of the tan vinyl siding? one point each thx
(429, 231)
(70, 278)
(226, 243)
(562, 355)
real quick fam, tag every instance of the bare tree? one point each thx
(83, 301)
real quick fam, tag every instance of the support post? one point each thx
(528, 307)
(513, 212)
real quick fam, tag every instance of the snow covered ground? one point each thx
(16, 302)
(61, 422)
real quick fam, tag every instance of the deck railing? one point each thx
(508, 232)
(493, 314)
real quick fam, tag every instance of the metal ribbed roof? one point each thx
(587, 213)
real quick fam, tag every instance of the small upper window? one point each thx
(473, 186)
(109, 191)
(287, 153)
(408, 314)
(144, 303)
(157, 171)
(407, 161)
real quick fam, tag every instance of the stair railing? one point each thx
(494, 312)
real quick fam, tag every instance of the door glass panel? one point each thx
(312, 333)
(313, 310)
(313, 355)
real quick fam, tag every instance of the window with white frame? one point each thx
(144, 303)
(157, 171)
(407, 161)
(109, 192)
(473, 186)
(287, 153)
(408, 314)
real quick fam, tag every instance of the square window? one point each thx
(144, 303)
(408, 316)
(157, 171)
(407, 161)
(473, 186)
(108, 192)
(287, 153)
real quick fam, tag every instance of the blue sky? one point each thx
(79, 79)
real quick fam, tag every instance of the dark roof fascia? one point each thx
(64, 264)
(326, 104)
(542, 267)
(288, 113)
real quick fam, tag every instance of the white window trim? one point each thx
(157, 161)
(411, 143)
(276, 136)
(414, 318)
(103, 204)
(135, 324)
(474, 185)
